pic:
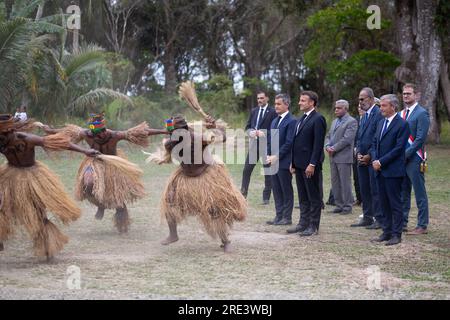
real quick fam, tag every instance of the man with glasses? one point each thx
(366, 173)
(419, 123)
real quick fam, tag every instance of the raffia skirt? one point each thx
(116, 182)
(212, 197)
(25, 196)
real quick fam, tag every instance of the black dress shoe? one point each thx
(335, 211)
(283, 222)
(364, 222)
(274, 221)
(296, 228)
(265, 202)
(308, 232)
(383, 237)
(374, 226)
(393, 241)
(345, 212)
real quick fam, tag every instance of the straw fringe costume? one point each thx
(27, 193)
(115, 181)
(205, 191)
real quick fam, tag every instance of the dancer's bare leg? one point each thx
(122, 220)
(100, 213)
(173, 235)
(226, 243)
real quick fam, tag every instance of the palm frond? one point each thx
(98, 96)
(19, 42)
(26, 10)
(83, 60)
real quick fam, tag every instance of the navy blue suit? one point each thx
(254, 151)
(308, 148)
(282, 138)
(419, 123)
(389, 149)
(366, 174)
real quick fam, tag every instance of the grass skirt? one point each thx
(211, 197)
(116, 182)
(26, 194)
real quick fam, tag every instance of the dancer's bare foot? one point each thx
(169, 240)
(226, 247)
(100, 213)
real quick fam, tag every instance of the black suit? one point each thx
(255, 151)
(308, 148)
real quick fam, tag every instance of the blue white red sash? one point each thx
(420, 152)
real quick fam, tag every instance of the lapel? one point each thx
(391, 125)
(338, 125)
(370, 118)
(308, 118)
(285, 121)
(414, 112)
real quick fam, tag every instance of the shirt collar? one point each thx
(284, 115)
(391, 118)
(309, 112)
(411, 109)
(370, 110)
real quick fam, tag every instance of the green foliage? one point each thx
(19, 44)
(363, 67)
(346, 51)
(442, 18)
(154, 110)
(25, 8)
(121, 70)
(217, 96)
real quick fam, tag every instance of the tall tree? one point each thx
(421, 53)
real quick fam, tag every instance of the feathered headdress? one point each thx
(187, 93)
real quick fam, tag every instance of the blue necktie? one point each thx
(384, 128)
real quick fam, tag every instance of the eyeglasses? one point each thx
(407, 93)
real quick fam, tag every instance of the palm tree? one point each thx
(20, 38)
(35, 64)
(75, 83)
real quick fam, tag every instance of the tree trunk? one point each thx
(170, 71)
(421, 53)
(429, 63)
